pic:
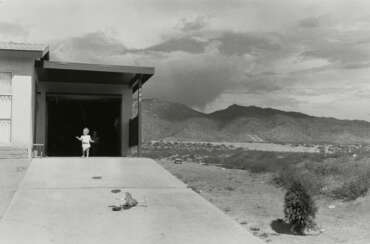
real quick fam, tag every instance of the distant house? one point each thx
(44, 103)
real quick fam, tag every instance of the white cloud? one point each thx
(12, 31)
(297, 55)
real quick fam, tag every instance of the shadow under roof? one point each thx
(54, 71)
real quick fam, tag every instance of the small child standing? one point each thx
(85, 140)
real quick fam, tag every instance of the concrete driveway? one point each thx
(67, 200)
(12, 172)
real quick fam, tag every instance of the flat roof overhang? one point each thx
(53, 71)
(23, 50)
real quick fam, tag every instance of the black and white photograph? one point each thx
(184, 122)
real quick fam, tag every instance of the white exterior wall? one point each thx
(23, 83)
(22, 111)
(5, 107)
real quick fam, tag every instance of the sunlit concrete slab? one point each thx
(64, 212)
(11, 173)
(98, 172)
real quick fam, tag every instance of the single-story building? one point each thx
(44, 104)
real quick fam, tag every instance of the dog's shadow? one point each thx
(282, 227)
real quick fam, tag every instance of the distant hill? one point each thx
(168, 120)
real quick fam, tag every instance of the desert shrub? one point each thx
(229, 188)
(299, 208)
(326, 168)
(213, 160)
(352, 189)
(289, 176)
(342, 178)
(256, 161)
(267, 161)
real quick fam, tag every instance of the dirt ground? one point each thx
(257, 204)
(11, 173)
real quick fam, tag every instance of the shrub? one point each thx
(288, 176)
(257, 161)
(267, 161)
(324, 169)
(352, 189)
(299, 208)
(213, 160)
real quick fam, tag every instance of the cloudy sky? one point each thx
(311, 56)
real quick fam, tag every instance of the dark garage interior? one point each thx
(67, 115)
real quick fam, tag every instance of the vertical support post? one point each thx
(126, 107)
(41, 122)
(139, 141)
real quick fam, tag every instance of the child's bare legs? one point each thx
(87, 152)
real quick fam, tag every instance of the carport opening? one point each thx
(67, 115)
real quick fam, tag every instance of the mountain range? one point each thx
(236, 123)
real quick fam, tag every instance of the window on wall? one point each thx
(5, 107)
